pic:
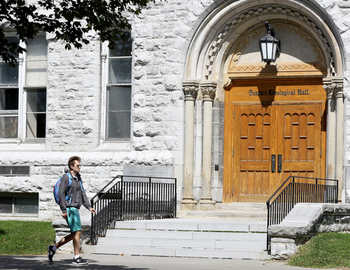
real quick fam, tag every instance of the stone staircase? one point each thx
(190, 236)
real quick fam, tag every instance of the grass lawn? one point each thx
(25, 237)
(325, 250)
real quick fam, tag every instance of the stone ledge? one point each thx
(303, 222)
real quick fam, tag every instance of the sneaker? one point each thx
(51, 252)
(79, 261)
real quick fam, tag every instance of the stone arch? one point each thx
(221, 30)
(224, 26)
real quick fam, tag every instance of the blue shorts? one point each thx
(73, 219)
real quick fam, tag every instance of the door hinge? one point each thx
(233, 114)
(233, 152)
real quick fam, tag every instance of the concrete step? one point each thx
(242, 215)
(218, 225)
(206, 238)
(186, 240)
(180, 252)
(237, 211)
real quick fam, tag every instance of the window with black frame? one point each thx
(119, 90)
(22, 204)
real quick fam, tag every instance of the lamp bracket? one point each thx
(270, 29)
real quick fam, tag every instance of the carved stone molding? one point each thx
(339, 90)
(329, 87)
(256, 11)
(334, 87)
(190, 89)
(208, 90)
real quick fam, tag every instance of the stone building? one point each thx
(187, 96)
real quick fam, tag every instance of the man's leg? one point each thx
(66, 239)
(76, 242)
(75, 226)
(52, 249)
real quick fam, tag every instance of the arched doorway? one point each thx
(297, 94)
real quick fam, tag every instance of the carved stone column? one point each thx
(331, 127)
(190, 89)
(339, 139)
(208, 91)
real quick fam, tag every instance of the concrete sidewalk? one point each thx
(115, 262)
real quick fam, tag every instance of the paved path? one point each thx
(109, 262)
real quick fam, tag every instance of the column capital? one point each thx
(339, 90)
(334, 87)
(190, 89)
(329, 87)
(208, 90)
(339, 85)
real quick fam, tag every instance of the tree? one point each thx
(68, 20)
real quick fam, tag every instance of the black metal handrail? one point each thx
(132, 197)
(297, 189)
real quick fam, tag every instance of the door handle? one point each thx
(273, 163)
(279, 166)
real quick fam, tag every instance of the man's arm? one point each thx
(85, 199)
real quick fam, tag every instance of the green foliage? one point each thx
(325, 250)
(25, 237)
(68, 20)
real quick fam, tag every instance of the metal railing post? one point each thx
(92, 222)
(268, 224)
(175, 203)
(122, 197)
(149, 196)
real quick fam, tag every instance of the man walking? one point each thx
(70, 208)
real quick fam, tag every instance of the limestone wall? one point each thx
(161, 35)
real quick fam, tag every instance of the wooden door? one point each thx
(273, 129)
(271, 143)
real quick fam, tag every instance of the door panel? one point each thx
(299, 139)
(253, 143)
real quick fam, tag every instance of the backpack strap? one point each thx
(69, 184)
(81, 183)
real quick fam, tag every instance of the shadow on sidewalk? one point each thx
(42, 263)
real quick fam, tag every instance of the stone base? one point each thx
(206, 205)
(188, 205)
(283, 248)
(206, 201)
